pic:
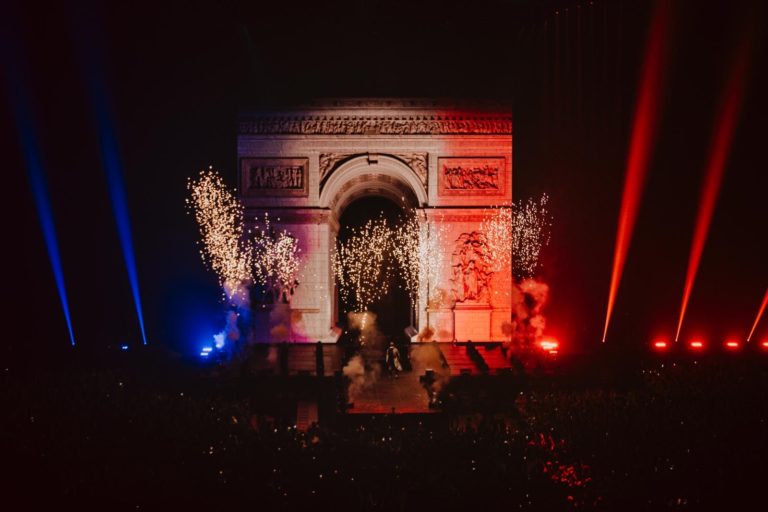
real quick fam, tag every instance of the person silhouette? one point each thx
(392, 359)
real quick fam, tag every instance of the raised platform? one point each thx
(311, 359)
(390, 395)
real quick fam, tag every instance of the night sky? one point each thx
(178, 72)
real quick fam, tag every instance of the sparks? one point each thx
(276, 261)
(360, 264)
(417, 246)
(225, 250)
(516, 234)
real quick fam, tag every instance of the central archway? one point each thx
(372, 175)
(394, 310)
(360, 189)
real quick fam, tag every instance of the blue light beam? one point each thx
(37, 182)
(112, 168)
(91, 45)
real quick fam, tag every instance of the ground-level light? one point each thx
(549, 345)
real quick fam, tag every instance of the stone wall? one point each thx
(303, 165)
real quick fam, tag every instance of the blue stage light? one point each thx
(35, 173)
(112, 167)
(123, 347)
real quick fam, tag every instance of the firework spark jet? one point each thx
(641, 145)
(225, 250)
(720, 146)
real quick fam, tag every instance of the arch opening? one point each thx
(394, 310)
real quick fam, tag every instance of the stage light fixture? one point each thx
(732, 345)
(660, 345)
(549, 345)
(697, 345)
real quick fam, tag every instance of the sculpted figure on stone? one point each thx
(471, 269)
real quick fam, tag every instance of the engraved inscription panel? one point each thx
(274, 177)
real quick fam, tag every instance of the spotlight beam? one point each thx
(641, 145)
(759, 315)
(45, 213)
(111, 158)
(36, 177)
(92, 47)
(720, 146)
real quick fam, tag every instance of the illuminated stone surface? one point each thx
(304, 165)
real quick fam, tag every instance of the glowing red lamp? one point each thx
(764, 344)
(660, 345)
(697, 345)
(549, 345)
(732, 345)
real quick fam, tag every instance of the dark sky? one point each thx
(178, 72)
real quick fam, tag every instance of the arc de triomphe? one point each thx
(451, 161)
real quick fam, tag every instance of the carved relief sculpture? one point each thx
(416, 161)
(329, 161)
(471, 176)
(274, 176)
(471, 267)
(375, 125)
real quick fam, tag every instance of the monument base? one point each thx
(500, 323)
(441, 320)
(472, 322)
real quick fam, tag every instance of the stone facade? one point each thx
(303, 165)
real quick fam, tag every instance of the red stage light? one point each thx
(549, 345)
(732, 345)
(641, 145)
(660, 345)
(764, 344)
(759, 314)
(720, 147)
(697, 345)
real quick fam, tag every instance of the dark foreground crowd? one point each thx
(681, 437)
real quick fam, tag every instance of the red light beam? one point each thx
(759, 315)
(720, 146)
(641, 145)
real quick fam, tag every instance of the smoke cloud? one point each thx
(364, 369)
(427, 356)
(280, 323)
(529, 299)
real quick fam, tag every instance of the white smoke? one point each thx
(355, 372)
(280, 323)
(364, 369)
(529, 299)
